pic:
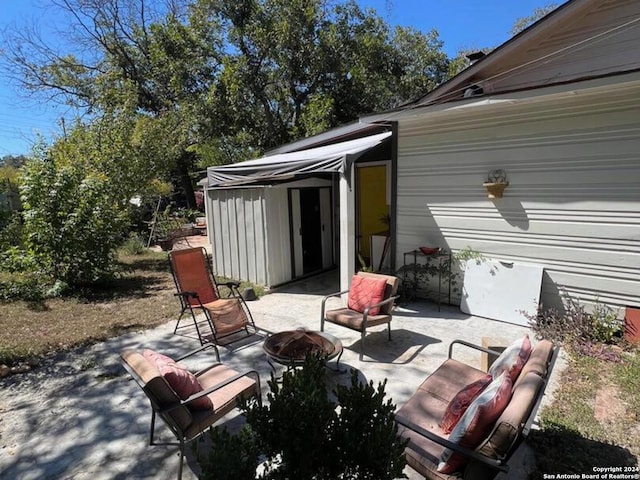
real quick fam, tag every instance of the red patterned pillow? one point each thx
(512, 359)
(181, 380)
(476, 422)
(459, 404)
(366, 291)
(158, 359)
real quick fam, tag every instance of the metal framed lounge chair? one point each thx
(220, 384)
(197, 289)
(363, 309)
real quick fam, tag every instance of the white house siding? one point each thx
(238, 234)
(573, 200)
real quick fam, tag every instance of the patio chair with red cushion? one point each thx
(370, 303)
(188, 403)
(197, 289)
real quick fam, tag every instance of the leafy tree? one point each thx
(298, 67)
(14, 161)
(125, 56)
(216, 81)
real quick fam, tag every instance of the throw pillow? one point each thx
(459, 404)
(476, 422)
(158, 359)
(512, 359)
(181, 380)
(366, 291)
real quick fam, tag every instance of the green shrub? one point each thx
(363, 439)
(10, 230)
(303, 434)
(576, 326)
(134, 245)
(72, 222)
(292, 427)
(20, 286)
(232, 457)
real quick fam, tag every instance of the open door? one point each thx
(372, 207)
(311, 230)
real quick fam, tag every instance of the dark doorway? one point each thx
(311, 230)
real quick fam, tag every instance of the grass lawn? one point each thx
(594, 420)
(143, 298)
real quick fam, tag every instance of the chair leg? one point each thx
(362, 335)
(389, 330)
(322, 324)
(181, 459)
(184, 309)
(153, 426)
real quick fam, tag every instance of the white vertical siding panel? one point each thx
(238, 253)
(231, 250)
(215, 230)
(279, 243)
(573, 203)
(258, 206)
(251, 252)
(241, 226)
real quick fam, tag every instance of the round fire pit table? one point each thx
(290, 347)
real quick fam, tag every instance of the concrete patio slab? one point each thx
(79, 416)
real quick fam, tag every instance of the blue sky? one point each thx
(462, 24)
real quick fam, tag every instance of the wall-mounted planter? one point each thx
(495, 189)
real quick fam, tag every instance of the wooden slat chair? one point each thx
(197, 289)
(222, 385)
(362, 318)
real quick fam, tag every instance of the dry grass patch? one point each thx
(594, 419)
(141, 298)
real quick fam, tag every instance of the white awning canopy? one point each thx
(337, 157)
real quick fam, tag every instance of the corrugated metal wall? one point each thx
(250, 232)
(573, 203)
(238, 244)
(278, 236)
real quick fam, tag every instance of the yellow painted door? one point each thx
(372, 206)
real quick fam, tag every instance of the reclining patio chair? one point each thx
(370, 303)
(197, 289)
(186, 417)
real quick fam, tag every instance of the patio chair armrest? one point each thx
(233, 287)
(472, 454)
(186, 294)
(471, 345)
(327, 297)
(200, 349)
(336, 294)
(213, 388)
(224, 383)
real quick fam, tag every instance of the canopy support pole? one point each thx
(347, 228)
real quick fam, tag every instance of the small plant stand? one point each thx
(419, 268)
